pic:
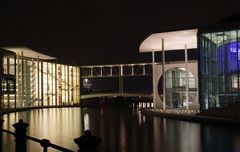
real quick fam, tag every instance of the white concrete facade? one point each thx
(192, 67)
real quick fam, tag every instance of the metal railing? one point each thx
(21, 138)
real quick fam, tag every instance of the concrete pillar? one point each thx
(163, 76)
(121, 70)
(132, 68)
(120, 79)
(144, 70)
(91, 72)
(186, 75)
(153, 78)
(101, 71)
(111, 71)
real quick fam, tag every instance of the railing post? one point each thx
(1, 127)
(45, 144)
(20, 135)
(87, 142)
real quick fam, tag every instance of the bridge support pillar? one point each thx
(91, 72)
(120, 79)
(101, 71)
(144, 70)
(111, 71)
(132, 67)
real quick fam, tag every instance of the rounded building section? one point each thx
(176, 87)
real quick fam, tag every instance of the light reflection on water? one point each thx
(121, 130)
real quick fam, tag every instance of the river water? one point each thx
(121, 130)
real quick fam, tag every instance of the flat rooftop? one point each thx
(28, 52)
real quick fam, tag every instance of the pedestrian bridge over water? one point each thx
(181, 82)
(119, 71)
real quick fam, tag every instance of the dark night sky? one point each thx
(91, 32)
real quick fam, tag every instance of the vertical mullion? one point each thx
(238, 41)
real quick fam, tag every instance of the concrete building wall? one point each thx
(192, 67)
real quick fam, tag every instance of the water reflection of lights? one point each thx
(141, 118)
(86, 80)
(86, 122)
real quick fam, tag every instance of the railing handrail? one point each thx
(40, 141)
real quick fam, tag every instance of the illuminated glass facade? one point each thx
(8, 79)
(34, 82)
(176, 88)
(219, 64)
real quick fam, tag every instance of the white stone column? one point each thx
(153, 79)
(163, 76)
(186, 75)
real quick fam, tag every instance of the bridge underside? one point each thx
(88, 96)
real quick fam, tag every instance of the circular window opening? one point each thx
(176, 87)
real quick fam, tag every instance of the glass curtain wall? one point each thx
(219, 59)
(8, 82)
(176, 88)
(67, 85)
(41, 83)
(28, 82)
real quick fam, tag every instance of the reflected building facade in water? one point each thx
(121, 129)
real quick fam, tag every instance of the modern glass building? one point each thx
(219, 64)
(29, 78)
(177, 81)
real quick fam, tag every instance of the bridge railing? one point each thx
(116, 70)
(112, 94)
(21, 138)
